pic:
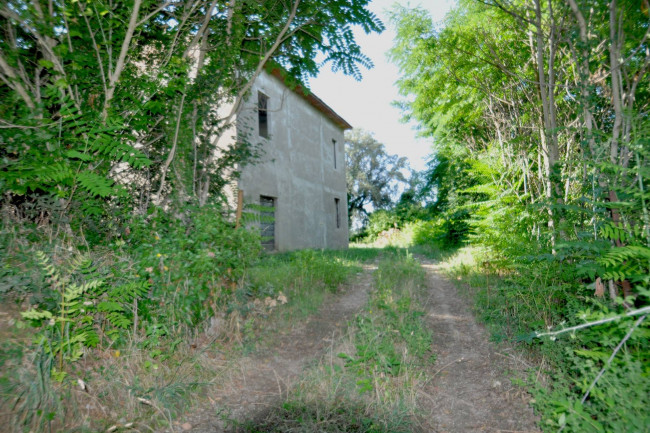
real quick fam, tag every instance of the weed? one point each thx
(514, 299)
(367, 380)
(305, 277)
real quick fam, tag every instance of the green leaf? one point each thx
(592, 354)
(36, 315)
(61, 83)
(46, 63)
(95, 184)
(74, 154)
(109, 306)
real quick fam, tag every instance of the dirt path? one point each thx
(262, 380)
(470, 390)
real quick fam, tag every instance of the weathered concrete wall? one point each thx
(297, 168)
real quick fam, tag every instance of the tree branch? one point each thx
(119, 67)
(611, 358)
(172, 152)
(13, 82)
(644, 310)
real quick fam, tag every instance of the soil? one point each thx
(469, 389)
(262, 380)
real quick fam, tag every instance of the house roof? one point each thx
(311, 98)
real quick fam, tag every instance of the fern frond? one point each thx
(95, 184)
(118, 320)
(36, 315)
(109, 306)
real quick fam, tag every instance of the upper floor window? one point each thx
(334, 151)
(262, 114)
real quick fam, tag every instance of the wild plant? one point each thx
(84, 305)
(366, 382)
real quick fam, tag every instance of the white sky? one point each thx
(367, 104)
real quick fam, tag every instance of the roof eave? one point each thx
(313, 100)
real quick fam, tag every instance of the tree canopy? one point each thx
(373, 176)
(117, 102)
(538, 112)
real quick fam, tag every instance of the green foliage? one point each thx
(382, 220)
(110, 121)
(355, 254)
(392, 327)
(624, 379)
(83, 304)
(193, 261)
(630, 261)
(548, 179)
(68, 328)
(445, 232)
(514, 299)
(373, 176)
(30, 388)
(340, 416)
(620, 403)
(304, 277)
(91, 97)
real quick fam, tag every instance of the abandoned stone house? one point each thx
(300, 178)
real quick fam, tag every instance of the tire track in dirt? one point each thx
(469, 390)
(263, 379)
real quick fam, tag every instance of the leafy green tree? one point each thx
(486, 88)
(538, 111)
(111, 106)
(373, 176)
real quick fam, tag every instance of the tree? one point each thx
(523, 89)
(114, 104)
(539, 112)
(373, 176)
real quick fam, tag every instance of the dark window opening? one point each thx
(334, 149)
(338, 213)
(263, 114)
(267, 222)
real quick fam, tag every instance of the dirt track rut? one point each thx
(469, 390)
(261, 380)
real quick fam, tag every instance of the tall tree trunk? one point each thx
(548, 135)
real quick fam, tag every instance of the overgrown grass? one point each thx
(368, 379)
(503, 301)
(515, 299)
(208, 303)
(283, 289)
(406, 239)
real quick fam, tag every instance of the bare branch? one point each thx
(153, 13)
(640, 311)
(172, 152)
(114, 76)
(13, 82)
(611, 358)
(100, 62)
(202, 30)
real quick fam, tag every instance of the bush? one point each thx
(380, 221)
(445, 232)
(114, 308)
(193, 261)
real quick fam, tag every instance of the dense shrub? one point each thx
(193, 261)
